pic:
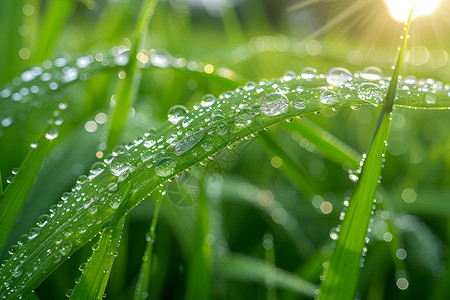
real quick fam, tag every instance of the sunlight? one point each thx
(400, 9)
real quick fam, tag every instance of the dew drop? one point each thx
(42, 220)
(289, 75)
(372, 73)
(165, 167)
(188, 142)
(97, 168)
(309, 73)
(121, 164)
(69, 293)
(208, 100)
(65, 248)
(338, 76)
(370, 92)
(244, 117)
(176, 113)
(329, 97)
(118, 150)
(51, 134)
(249, 86)
(300, 105)
(274, 104)
(430, 98)
(32, 233)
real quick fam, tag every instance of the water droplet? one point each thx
(121, 164)
(65, 196)
(119, 149)
(188, 142)
(82, 267)
(13, 249)
(165, 167)
(339, 76)
(16, 272)
(353, 177)
(289, 75)
(82, 179)
(34, 144)
(299, 105)
(430, 98)
(329, 97)
(69, 293)
(22, 239)
(309, 73)
(65, 248)
(217, 115)
(176, 113)
(249, 86)
(146, 155)
(370, 92)
(42, 220)
(51, 134)
(32, 233)
(97, 168)
(274, 104)
(244, 117)
(6, 122)
(208, 100)
(372, 73)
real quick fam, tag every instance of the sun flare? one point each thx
(400, 9)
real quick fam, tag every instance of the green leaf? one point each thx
(308, 187)
(342, 272)
(143, 282)
(127, 88)
(249, 269)
(221, 122)
(15, 194)
(198, 280)
(327, 144)
(96, 274)
(56, 15)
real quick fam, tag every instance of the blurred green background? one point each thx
(256, 207)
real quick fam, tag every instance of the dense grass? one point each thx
(250, 213)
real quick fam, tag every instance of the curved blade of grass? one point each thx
(56, 14)
(15, 194)
(307, 185)
(328, 145)
(412, 95)
(198, 280)
(143, 282)
(248, 269)
(269, 254)
(89, 207)
(44, 83)
(128, 87)
(342, 272)
(95, 276)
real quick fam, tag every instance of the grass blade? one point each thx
(143, 282)
(249, 269)
(327, 144)
(95, 277)
(128, 87)
(15, 194)
(342, 273)
(198, 281)
(307, 185)
(56, 14)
